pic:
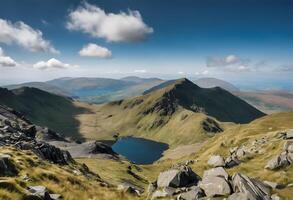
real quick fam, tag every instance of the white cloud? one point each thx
(223, 62)
(52, 63)
(181, 73)
(94, 50)
(6, 61)
(23, 35)
(204, 72)
(140, 71)
(121, 27)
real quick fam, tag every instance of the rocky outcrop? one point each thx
(282, 160)
(17, 131)
(254, 189)
(211, 126)
(215, 183)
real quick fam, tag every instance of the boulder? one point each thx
(194, 193)
(238, 196)
(289, 134)
(216, 161)
(254, 189)
(272, 185)
(231, 161)
(279, 161)
(178, 177)
(275, 197)
(219, 172)
(215, 186)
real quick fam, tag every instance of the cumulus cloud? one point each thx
(140, 71)
(222, 62)
(6, 61)
(23, 35)
(202, 73)
(94, 50)
(121, 27)
(51, 64)
(284, 68)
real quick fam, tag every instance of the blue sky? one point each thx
(234, 40)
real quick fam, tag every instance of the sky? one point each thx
(249, 43)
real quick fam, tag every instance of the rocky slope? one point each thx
(31, 168)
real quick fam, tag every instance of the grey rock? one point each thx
(238, 196)
(273, 185)
(218, 171)
(37, 190)
(277, 162)
(254, 189)
(159, 194)
(193, 194)
(289, 134)
(215, 186)
(231, 161)
(216, 161)
(275, 197)
(178, 177)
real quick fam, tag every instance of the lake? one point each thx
(139, 150)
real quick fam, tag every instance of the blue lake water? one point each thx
(138, 150)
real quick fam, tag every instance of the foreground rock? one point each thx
(42, 192)
(216, 161)
(253, 188)
(215, 183)
(7, 167)
(178, 177)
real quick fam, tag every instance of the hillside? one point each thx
(45, 109)
(181, 113)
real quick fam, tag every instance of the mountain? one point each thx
(137, 79)
(179, 113)
(268, 101)
(83, 86)
(45, 109)
(42, 86)
(213, 82)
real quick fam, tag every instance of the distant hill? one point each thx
(268, 101)
(214, 82)
(137, 79)
(178, 113)
(43, 108)
(42, 86)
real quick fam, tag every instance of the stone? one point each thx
(289, 134)
(290, 148)
(238, 196)
(290, 157)
(55, 196)
(216, 161)
(254, 189)
(194, 193)
(159, 194)
(178, 177)
(277, 162)
(275, 197)
(231, 161)
(273, 185)
(215, 186)
(37, 190)
(218, 171)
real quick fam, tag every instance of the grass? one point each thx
(58, 179)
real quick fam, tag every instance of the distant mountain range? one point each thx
(101, 90)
